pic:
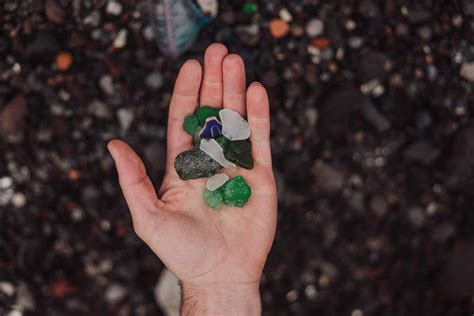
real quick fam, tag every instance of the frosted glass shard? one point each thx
(213, 150)
(216, 181)
(234, 126)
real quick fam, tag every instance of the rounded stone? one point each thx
(194, 164)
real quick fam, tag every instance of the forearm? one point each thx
(234, 299)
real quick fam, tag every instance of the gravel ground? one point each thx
(372, 133)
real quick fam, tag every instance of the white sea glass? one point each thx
(234, 126)
(216, 181)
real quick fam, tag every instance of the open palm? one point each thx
(199, 245)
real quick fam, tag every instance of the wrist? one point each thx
(221, 299)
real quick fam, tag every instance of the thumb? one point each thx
(136, 187)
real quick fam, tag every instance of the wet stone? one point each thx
(212, 128)
(213, 198)
(194, 164)
(191, 124)
(236, 192)
(240, 153)
(204, 112)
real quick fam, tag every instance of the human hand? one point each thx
(217, 255)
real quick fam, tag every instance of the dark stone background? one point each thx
(373, 143)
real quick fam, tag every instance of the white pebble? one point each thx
(467, 71)
(125, 117)
(18, 200)
(215, 151)
(314, 28)
(107, 84)
(15, 312)
(148, 33)
(216, 181)
(115, 293)
(121, 39)
(154, 80)
(234, 126)
(285, 15)
(114, 8)
(7, 288)
(5, 182)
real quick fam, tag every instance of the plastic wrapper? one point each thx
(176, 24)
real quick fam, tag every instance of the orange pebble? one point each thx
(278, 28)
(74, 174)
(64, 61)
(63, 288)
(321, 42)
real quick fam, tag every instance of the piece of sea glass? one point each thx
(240, 153)
(196, 139)
(212, 148)
(213, 198)
(236, 192)
(204, 112)
(223, 142)
(212, 128)
(216, 181)
(191, 124)
(234, 126)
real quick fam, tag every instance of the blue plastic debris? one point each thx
(176, 24)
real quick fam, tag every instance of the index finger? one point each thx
(183, 103)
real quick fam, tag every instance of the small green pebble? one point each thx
(236, 192)
(191, 124)
(213, 198)
(223, 142)
(204, 112)
(250, 8)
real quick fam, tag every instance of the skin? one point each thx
(217, 255)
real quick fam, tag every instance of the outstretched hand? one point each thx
(217, 255)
